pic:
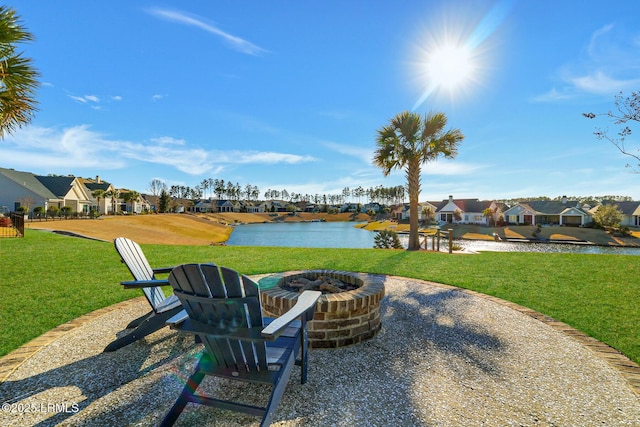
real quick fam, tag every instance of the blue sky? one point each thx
(289, 95)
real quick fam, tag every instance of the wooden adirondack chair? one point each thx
(162, 307)
(223, 309)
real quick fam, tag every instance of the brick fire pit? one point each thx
(340, 319)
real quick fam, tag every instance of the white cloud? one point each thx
(168, 140)
(610, 64)
(264, 157)
(85, 99)
(81, 147)
(553, 95)
(157, 97)
(600, 83)
(364, 154)
(235, 42)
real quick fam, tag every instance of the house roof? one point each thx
(466, 205)
(551, 207)
(627, 208)
(28, 181)
(93, 186)
(58, 185)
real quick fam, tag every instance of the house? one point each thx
(349, 207)
(225, 206)
(630, 212)
(375, 207)
(466, 211)
(548, 212)
(102, 204)
(26, 189)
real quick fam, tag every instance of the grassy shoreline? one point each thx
(48, 279)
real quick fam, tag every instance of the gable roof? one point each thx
(551, 207)
(58, 185)
(466, 205)
(627, 208)
(28, 181)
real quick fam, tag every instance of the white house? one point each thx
(466, 211)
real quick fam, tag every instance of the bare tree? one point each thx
(628, 110)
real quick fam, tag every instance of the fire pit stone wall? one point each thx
(340, 319)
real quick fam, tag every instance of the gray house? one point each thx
(26, 189)
(548, 212)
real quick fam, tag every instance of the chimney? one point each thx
(451, 198)
(564, 200)
(98, 179)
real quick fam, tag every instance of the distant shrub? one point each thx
(387, 239)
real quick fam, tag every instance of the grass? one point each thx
(48, 279)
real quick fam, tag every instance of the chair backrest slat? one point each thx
(226, 301)
(139, 267)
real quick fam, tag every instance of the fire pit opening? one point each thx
(347, 313)
(323, 283)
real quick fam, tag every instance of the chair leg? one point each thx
(136, 322)
(278, 390)
(148, 326)
(185, 397)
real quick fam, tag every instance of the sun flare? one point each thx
(450, 66)
(453, 52)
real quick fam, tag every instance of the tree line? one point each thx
(220, 189)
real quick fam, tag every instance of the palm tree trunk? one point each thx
(413, 180)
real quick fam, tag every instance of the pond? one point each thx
(302, 235)
(346, 235)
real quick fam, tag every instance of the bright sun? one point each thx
(450, 66)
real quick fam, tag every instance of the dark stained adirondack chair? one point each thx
(162, 307)
(223, 309)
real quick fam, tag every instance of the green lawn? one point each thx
(47, 279)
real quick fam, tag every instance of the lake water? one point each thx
(346, 235)
(302, 235)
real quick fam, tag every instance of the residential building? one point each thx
(548, 212)
(26, 189)
(630, 212)
(466, 211)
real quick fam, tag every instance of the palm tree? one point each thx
(131, 197)
(98, 194)
(114, 195)
(17, 75)
(408, 141)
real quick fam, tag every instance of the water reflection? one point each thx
(487, 245)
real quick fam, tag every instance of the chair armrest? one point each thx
(178, 318)
(306, 301)
(138, 284)
(183, 323)
(162, 270)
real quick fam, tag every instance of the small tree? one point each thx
(608, 216)
(488, 213)
(164, 202)
(38, 210)
(387, 239)
(53, 210)
(66, 211)
(429, 214)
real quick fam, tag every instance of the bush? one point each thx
(387, 239)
